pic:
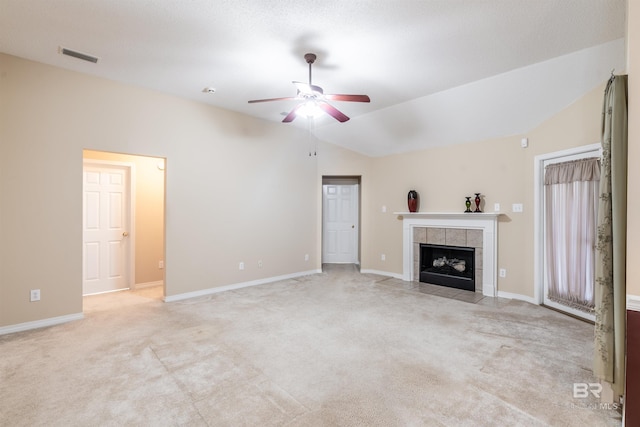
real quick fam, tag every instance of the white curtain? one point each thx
(571, 207)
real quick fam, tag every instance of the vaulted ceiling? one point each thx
(438, 71)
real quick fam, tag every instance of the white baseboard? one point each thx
(382, 273)
(526, 298)
(40, 323)
(203, 292)
(633, 302)
(148, 284)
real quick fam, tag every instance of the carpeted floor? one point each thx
(337, 348)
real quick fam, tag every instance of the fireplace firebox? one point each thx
(451, 266)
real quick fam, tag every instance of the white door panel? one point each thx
(340, 223)
(105, 228)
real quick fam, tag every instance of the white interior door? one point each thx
(106, 219)
(340, 224)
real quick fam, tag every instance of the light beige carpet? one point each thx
(337, 348)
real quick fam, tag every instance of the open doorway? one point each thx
(340, 220)
(123, 223)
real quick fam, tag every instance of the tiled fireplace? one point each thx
(449, 237)
(472, 230)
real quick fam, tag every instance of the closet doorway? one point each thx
(137, 251)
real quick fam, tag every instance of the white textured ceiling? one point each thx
(431, 67)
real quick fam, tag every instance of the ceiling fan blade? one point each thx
(292, 114)
(352, 98)
(286, 98)
(308, 89)
(333, 112)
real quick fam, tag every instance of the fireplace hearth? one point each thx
(446, 265)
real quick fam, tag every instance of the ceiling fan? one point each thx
(314, 100)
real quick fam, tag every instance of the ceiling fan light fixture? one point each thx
(313, 100)
(309, 108)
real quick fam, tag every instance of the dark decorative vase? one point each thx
(467, 203)
(477, 200)
(412, 200)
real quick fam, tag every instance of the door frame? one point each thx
(538, 214)
(342, 180)
(130, 257)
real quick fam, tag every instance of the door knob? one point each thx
(125, 234)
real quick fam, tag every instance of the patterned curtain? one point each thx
(610, 292)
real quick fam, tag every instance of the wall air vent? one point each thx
(79, 55)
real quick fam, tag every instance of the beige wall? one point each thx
(149, 212)
(633, 188)
(237, 189)
(500, 169)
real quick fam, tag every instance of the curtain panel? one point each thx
(610, 291)
(571, 206)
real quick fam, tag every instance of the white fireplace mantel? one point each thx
(487, 222)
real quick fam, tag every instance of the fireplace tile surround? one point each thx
(469, 238)
(477, 230)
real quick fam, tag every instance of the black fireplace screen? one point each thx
(451, 266)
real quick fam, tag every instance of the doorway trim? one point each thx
(130, 259)
(538, 213)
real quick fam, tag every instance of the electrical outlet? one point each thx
(503, 272)
(260, 264)
(241, 266)
(306, 257)
(160, 264)
(34, 295)
(516, 207)
(384, 209)
(383, 257)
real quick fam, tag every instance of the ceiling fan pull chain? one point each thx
(311, 139)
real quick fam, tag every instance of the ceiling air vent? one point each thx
(79, 55)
